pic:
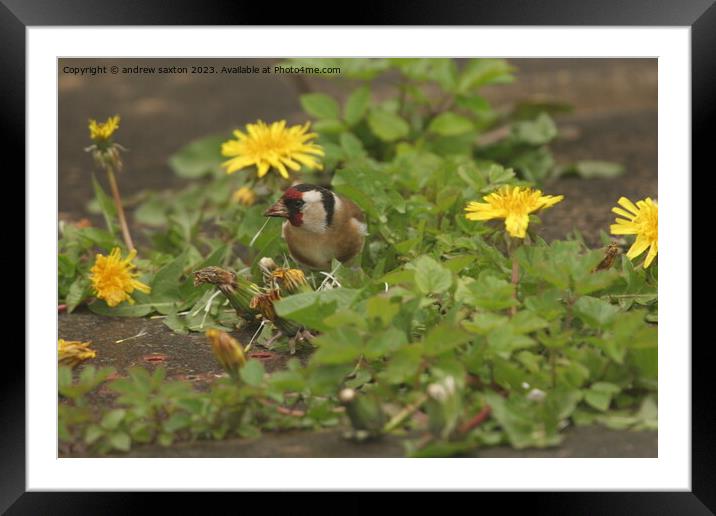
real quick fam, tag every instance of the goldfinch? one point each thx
(319, 226)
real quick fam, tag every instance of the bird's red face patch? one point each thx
(293, 199)
(293, 194)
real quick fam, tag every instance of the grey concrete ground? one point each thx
(615, 119)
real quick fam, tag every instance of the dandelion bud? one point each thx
(346, 395)
(239, 291)
(267, 265)
(437, 392)
(244, 196)
(536, 395)
(104, 151)
(227, 351)
(364, 412)
(443, 406)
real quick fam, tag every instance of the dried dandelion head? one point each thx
(73, 352)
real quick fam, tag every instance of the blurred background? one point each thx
(614, 118)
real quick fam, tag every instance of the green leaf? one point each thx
(311, 308)
(120, 441)
(527, 322)
(484, 322)
(430, 276)
(444, 337)
(522, 422)
(319, 105)
(64, 377)
(598, 400)
(93, 433)
(340, 346)
(329, 126)
(450, 124)
(593, 169)
(125, 309)
(111, 419)
(386, 125)
(352, 146)
(79, 290)
(252, 373)
(356, 105)
(539, 131)
(503, 340)
(480, 72)
(177, 421)
(152, 212)
(595, 312)
(403, 365)
(487, 292)
(458, 263)
(383, 308)
(165, 285)
(384, 343)
(198, 158)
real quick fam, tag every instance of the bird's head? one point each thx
(307, 206)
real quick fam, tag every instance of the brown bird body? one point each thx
(320, 226)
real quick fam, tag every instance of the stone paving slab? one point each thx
(584, 442)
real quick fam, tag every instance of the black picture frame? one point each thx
(699, 15)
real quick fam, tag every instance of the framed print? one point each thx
(402, 257)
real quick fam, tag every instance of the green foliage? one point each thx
(430, 321)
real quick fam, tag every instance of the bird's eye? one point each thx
(295, 203)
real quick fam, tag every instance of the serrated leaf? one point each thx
(111, 419)
(386, 125)
(120, 441)
(356, 105)
(252, 373)
(430, 276)
(595, 312)
(444, 337)
(320, 105)
(450, 124)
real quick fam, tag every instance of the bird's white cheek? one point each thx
(314, 218)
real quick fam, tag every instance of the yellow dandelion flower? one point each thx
(272, 146)
(641, 220)
(244, 196)
(512, 203)
(227, 351)
(72, 352)
(113, 278)
(102, 131)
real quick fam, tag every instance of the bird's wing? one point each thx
(352, 210)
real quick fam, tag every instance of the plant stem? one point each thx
(404, 414)
(120, 210)
(515, 282)
(476, 420)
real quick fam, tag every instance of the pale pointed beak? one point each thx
(277, 210)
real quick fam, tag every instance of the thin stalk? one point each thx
(120, 210)
(515, 282)
(404, 414)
